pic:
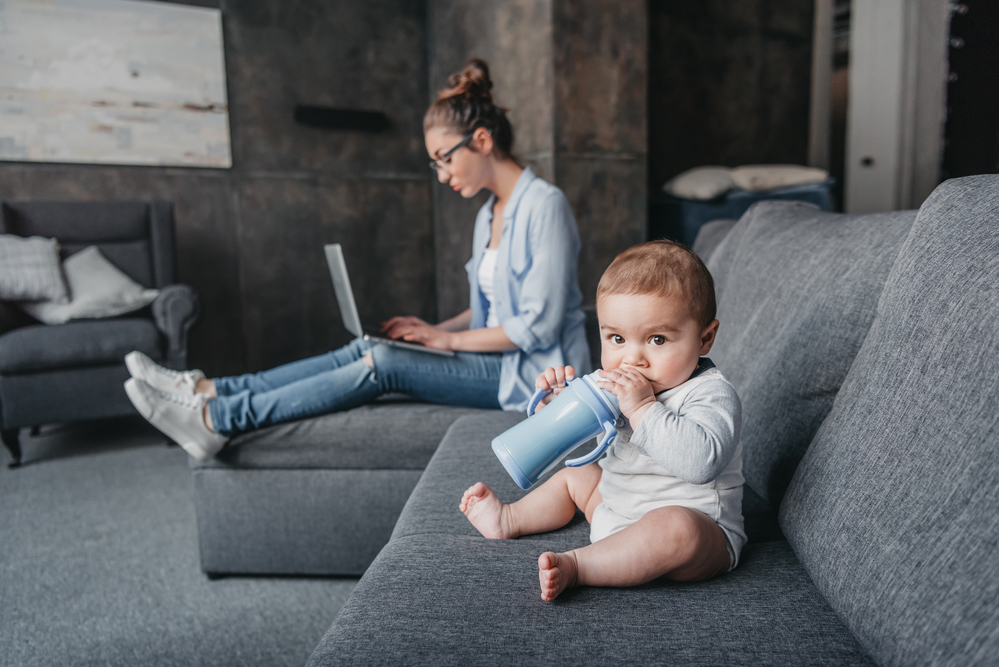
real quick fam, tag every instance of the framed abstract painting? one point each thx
(128, 82)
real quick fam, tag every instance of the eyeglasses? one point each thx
(445, 159)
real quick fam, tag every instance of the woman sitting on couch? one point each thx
(524, 317)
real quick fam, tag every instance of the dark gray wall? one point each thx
(573, 74)
(601, 134)
(728, 84)
(250, 238)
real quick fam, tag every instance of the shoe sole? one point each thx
(140, 403)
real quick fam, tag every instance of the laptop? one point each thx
(348, 307)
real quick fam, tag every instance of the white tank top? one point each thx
(487, 267)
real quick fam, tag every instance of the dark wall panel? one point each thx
(250, 238)
(610, 211)
(728, 84)
(601, 135)
(384, 230)
(345, 54)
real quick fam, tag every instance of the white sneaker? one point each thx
(180, 417)
(165, 379)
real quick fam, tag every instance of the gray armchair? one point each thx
(76, 371)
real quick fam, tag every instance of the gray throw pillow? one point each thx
(29, 270)
(797, 291)
(99, 289)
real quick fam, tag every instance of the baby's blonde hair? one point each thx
(665, 268)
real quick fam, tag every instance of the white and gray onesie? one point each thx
(686, 451)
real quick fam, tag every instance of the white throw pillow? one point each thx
(30, 270)
(98, 289)
(758, 177)
(701, 183)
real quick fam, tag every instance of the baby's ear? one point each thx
(708, 337)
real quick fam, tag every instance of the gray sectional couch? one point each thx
(866, 353)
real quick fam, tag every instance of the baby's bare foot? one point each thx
(557, 572)
(489, 516)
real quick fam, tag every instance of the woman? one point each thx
(524, 314)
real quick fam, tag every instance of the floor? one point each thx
(99, 563)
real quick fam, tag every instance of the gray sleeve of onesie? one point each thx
(698, 441)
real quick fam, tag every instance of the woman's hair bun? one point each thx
(472, 81)
(467, 104)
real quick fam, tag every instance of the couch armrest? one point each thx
(176, 310)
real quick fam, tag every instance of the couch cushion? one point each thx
(893, 509)
(296, 522)
(396, 434)
(710, 237)
(465, 457)
(84, 343)
(454, 600)
(797, 291)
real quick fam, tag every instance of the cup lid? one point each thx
(606, 399)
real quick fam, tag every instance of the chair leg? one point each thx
(10, 441)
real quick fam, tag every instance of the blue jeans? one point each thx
(340, 380)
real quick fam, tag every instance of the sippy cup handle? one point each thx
(610, 433)
(541, 393)
(533, 405)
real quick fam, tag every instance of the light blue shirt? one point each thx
(535, 288)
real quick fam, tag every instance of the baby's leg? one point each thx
(680, 543)
(550, 506)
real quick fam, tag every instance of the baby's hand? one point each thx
(553, 380)
(634, 392)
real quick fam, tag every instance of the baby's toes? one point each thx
(470, 494)
(467, 503)
(548, 576)
(549, 590)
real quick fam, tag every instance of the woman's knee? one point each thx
(383, 357)
(389, 365)
(356, 348)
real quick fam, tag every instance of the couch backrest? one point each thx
(894, 510)
(137, 237)
(797, 290)
(710, 236)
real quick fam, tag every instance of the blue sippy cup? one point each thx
(581, 411)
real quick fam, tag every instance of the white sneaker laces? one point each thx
(190, 401)
(169, 372)
(180, 378)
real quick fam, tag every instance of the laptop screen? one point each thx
(342, 289)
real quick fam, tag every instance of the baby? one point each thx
(666, 500)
